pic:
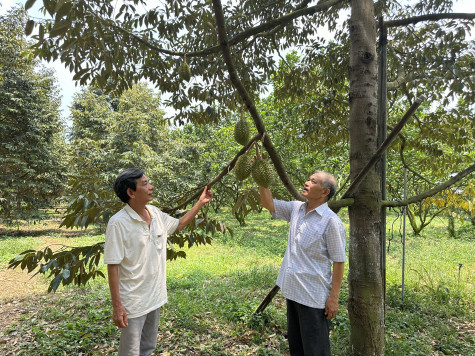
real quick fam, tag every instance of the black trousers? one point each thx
(308, 330)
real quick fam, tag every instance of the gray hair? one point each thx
(328, 181)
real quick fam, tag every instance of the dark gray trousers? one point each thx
(308, 330)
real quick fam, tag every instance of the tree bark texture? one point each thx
(365, 301)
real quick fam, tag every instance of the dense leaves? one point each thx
(32, 147)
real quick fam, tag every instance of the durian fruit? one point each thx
(184, 71)
(242, 132)
(262, 173)
(243, 166)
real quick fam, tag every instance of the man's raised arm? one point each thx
(266, 199)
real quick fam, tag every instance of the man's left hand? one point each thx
(206, 196)
(331, 307)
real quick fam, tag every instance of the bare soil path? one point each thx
(19, 292)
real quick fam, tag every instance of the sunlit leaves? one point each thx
(32, 145)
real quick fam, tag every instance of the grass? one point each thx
(213, 293)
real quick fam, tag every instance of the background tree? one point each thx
(106, 136)
(32, 148)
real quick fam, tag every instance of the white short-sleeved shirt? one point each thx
(316, 240)
(141, 254)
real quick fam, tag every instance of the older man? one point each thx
(316, 242)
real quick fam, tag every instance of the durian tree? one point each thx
(232, 50)
(32, 140)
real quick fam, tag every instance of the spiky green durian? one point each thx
(243, 167)
(262, 173)
(242, 132)
(184, 71)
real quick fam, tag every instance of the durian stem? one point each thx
(251, 107)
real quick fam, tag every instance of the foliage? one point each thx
(429, 154)
(108, 135)
(461, 202)
(297, 117)
(32, 146)
(433, 58)
(77, 265)
(68, 265)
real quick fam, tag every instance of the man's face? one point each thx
(143, 192)
(313, 189)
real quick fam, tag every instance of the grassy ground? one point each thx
(213, 293)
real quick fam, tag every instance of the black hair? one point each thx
(125, 180)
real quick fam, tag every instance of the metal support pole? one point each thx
(404, 235)
(382, 132)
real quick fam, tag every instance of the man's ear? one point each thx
(130, 193)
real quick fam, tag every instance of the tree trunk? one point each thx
(365, 302)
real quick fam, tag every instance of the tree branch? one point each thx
(404, 163)
(247, 99)
(429, 17)
(432, 191)
(382, 148)
(401, 76)
(283, 20)
(202, 53)
(336, 205)
(242, 36)
(220, 176)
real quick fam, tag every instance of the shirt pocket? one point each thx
(311, 242)
(159, 240)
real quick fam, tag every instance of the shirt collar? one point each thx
(319, 209)
(133, 214)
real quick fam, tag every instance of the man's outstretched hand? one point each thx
(206, 196)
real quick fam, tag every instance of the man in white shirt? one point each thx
(135, 254)
(316, 242)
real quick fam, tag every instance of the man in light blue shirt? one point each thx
(316, 242)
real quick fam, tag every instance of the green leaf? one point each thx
(63, 8)
(56, 282)
(60, 27)
(29, 4)
(69, 43)
(50, 6)
(29, 27)
(41, 32)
